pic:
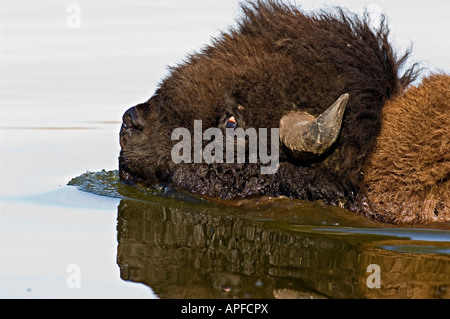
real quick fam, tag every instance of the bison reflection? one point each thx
(185, 252)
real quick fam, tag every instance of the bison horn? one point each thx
(308, 137)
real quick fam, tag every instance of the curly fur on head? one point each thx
(278, 58)
(407, 178)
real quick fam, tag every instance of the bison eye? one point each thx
(231, 123)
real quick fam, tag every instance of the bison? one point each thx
(323, 80)
(407, 176)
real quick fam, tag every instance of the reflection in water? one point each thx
(186, 251)
(183, 246)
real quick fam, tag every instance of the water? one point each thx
(62, 93)
(181, 245)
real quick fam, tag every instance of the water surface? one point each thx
(181, 246)
(62, 94)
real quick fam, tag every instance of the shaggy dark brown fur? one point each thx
(407, 178)
(277, 59)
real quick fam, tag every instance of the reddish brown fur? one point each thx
(407, 178)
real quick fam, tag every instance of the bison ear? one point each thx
(307, 137)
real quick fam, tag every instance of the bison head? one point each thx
(321, 79)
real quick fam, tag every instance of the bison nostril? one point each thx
(131, 124)
(131, 118)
